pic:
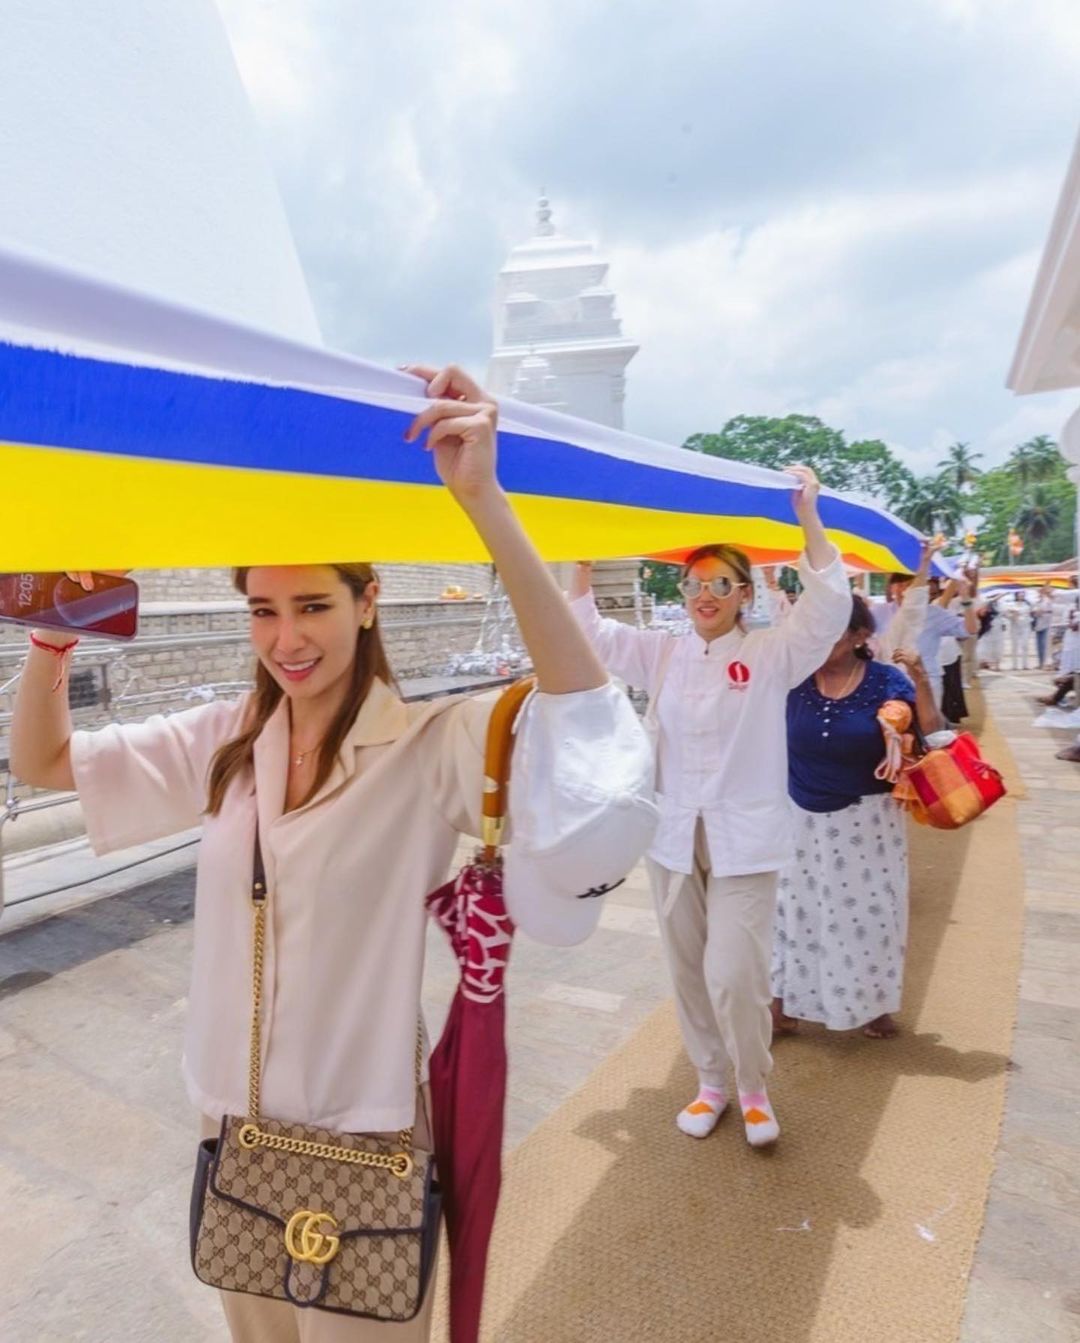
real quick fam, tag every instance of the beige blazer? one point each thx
(347, 874)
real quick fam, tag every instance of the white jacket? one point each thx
(722, 750)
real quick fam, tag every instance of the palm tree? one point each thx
(1036, 460)
(959, 465)
(933, 504)
(1038, 516)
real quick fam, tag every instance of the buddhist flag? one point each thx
(136, 433)
(1019, 579)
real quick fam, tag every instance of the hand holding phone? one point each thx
(105, 605)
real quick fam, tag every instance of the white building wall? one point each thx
(128, 148)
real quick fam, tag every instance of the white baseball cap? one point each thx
(582, 810)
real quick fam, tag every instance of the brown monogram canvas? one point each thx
(243, 1200)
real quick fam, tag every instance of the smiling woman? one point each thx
(717, 702)
(329, 810)
(712, 577)
(315, 633)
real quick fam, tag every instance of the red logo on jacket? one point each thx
(738, 675)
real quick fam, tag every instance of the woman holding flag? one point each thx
(717, 706)
(356, 802)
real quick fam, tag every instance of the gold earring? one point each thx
(369, 621)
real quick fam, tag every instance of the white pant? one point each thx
(1020, 643)
(992, 644)
(717, 937)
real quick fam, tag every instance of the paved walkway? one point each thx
(97, 1137)
(1026, 1280)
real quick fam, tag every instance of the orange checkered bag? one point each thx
(951, 785)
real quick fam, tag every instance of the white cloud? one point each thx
(778, 318)
(831, 209)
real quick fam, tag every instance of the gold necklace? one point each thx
(299, 758)
(846, 686)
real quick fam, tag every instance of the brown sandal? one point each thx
(781, 1023)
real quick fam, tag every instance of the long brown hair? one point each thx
(735, 559)
(369, 664)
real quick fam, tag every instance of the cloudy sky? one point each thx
(834, 207)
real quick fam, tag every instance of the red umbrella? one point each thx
(468, 1065)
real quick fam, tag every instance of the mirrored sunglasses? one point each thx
(719, 587)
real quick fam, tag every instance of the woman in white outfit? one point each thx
(1018, 622)
(718, 697)
(357, 800)
(992, 634)
(1042, 620)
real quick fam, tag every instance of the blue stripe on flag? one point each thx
(71, 401)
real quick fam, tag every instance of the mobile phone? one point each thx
(54, 601)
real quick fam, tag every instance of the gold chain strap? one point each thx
(258, 907)
(398, 1163)
(251, 1134)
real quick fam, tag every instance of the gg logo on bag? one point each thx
(312, 1247)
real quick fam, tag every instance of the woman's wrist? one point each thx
(53, 638)
(479, 500)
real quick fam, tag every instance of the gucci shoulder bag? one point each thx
(347, 1222)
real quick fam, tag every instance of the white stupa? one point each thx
(558, 339)
(559, 343)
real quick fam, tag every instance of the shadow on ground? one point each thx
(34, 953)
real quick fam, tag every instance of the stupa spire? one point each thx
(544, 227)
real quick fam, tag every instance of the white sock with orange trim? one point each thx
(703, 1113)
(761, 1126)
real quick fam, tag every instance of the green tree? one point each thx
(1009, 496)
(1039, 515)
(1036, 460)
(933, 504)
(876, 473)
(659, 581)
(868, 467)
(778, 443)
(1000, 496)
(959, 465)
(995, 500)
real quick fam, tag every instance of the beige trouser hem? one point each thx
(258, 1319)
(717, 937)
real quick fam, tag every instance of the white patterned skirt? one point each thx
(842, 915)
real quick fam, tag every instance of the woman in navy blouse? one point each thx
(841, 919)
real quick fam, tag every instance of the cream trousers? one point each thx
(717, 936)
(258, 1319)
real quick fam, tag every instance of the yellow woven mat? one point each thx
(860, 1225)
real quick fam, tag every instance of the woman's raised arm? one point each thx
(41, 722)
(461, 424)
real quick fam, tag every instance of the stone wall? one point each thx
(426, 581)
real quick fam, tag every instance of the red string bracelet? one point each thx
(58, 649)
(60, 652)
